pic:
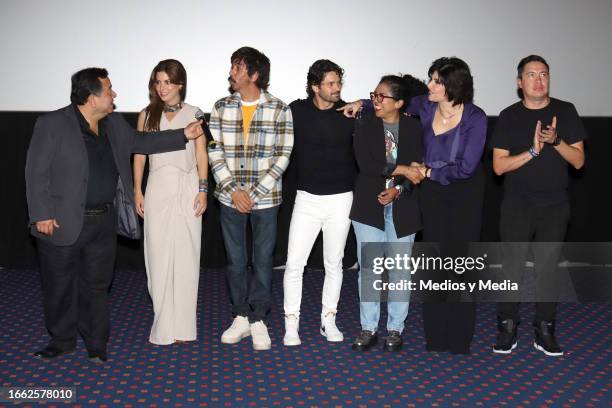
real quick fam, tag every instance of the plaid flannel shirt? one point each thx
(257, 166)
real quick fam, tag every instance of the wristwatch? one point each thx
(557, 141)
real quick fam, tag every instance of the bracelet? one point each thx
(532, 152)
(203, 190)
(203, 183)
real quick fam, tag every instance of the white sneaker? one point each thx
(259, 334)
(329, 328)
(237, 331)
(292, 325)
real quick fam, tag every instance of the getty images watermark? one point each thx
(458, 265)
(487, 272)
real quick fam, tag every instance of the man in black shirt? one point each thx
(533, 142)
(78, 178)
(323, 155)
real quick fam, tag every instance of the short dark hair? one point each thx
(456, 77)
(317, 72)
(256, 62)
(521, 67)
(86, 82)
(530, 58)
(397, 86)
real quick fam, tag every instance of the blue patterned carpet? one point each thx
(317, 373)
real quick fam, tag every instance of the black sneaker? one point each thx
(506, 336)
(393, 341)
(545, 339)
(365, 341)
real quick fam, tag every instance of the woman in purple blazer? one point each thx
(454, 132)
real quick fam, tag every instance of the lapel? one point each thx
(74, 132)
(375, 140)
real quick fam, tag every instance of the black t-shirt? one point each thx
(322, 149)
(544, 178)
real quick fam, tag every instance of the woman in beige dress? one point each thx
(176, 198)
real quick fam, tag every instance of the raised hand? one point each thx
(350, 109)
(194, 130)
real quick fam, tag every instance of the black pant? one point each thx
(75, 282)
(521, 222)
(452, 217)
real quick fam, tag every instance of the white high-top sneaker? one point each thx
(259, 334)
(237, 331)
(292, 325)
(329, 328)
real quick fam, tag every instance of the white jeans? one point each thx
(311, 214)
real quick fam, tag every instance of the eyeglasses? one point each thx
(380, 97)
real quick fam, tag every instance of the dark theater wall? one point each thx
(590, 193)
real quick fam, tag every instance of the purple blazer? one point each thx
(453, 155)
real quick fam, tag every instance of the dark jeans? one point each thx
(520, 223)
(75, 283)
(250, 293)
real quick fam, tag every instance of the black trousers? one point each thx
(521, 222)
(75, 283)
(452, 216)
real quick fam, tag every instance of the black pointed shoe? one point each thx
(506, 336)
(50, 352)
(393, 341)
(365, 341)
(545, 339)
(97, 357)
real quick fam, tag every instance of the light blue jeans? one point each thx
(370, 311)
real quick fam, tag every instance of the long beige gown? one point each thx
(172, 237)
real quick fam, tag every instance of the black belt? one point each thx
(99, 210)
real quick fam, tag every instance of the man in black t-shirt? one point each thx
(325, 164)
(533, 142)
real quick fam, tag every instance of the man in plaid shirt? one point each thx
(253, 138)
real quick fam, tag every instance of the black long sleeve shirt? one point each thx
(323, 148)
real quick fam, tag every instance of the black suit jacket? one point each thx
(369, 145)
(57, 170)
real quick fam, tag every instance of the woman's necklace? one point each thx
(173, 108)
(446, 118)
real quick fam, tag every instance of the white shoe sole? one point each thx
(506, 351)
(292, 342)
(234, 340)
(261, 347)
(548, 353)
(332, 339)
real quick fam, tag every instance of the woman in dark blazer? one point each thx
(385, 209)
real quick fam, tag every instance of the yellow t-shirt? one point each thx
(248, 109)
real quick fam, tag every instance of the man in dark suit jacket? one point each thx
(78, 177)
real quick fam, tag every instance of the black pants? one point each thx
(452, 216)
(75, 283)
(521, 222)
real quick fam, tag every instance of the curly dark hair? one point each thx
(317, 72)
(456, 77)
(256, 62)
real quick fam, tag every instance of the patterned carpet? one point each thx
(317, 373)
